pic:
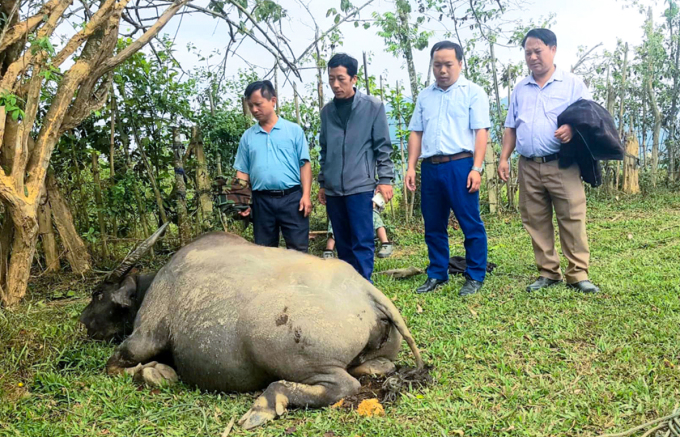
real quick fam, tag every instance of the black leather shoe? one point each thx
(585, 286)
(543, 282)
(470, 287)
(431, 285)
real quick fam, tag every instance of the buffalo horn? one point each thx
(136, 255)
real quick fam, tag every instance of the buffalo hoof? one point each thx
(153, 374)
(261, 413)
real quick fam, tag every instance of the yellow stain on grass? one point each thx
(370, 408)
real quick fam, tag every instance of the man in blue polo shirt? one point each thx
(274, 158)
(449, 133)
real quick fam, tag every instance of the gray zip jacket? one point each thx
(352, 158)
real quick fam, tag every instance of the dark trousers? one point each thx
(352, 220)
(444, 188)
(271, 214)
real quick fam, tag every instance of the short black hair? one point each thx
(447, 45)
(546, 35)
(344, 60)
(266, 89)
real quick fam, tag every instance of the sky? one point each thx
(578, 23)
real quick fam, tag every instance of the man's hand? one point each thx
(504, 170)
(564, 134)
(474, 181)
(306, 205)
(411, 179)
(386, 191)
(245, 213)
(322, 196)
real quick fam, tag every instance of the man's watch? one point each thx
(479, 170)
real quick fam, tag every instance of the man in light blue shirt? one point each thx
(274, 158)
(449, 133)
(531, 128)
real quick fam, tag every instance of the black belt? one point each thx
(543, 159)
(441, 159)
(278, 193)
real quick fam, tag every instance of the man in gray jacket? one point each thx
(355, 149)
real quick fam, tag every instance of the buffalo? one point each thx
(237, 317)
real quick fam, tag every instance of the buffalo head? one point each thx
(115, 302)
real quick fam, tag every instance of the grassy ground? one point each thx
(507, 363)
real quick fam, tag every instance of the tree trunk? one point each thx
(671, 157)
(611, 98)
(319, 71)
(296, 100)
(6, 234)
(180, 190)
(112, 145)
(408, 49)
(152, 181)
(657, 130)
(100, 203)
(500, 121)
(675, 72)
(490, 172)
(112, 170)
(403, 160)
(276, 85)
(49, 242)
(623, 92)
(202, 179)
(631, 183)
(643, 144)
(81, 207)
(76, 251)
(25, 220)
(367, 77)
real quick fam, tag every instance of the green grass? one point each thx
(506, 363)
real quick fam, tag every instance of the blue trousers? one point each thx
(444, 188)
(352, 220)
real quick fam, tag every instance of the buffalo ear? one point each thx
(125, 294)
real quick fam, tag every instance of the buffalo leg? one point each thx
(139, 348)
(378, 366)
(319, 391)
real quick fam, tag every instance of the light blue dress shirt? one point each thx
(273, 160)
(533, 111)
(448, 118)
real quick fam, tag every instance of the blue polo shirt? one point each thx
(448, 118)
(273, 160)
(533, 111)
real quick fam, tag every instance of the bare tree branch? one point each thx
(323, 35)
(584, 58)
(128, 51)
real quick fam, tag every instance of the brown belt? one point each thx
(441, 159)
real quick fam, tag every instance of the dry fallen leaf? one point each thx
(370, 408)
(473, 312)
(291, 430)
(329, 434)
(338, 404)
(459, 432)
(419, 309)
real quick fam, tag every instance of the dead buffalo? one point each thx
(239, 317)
